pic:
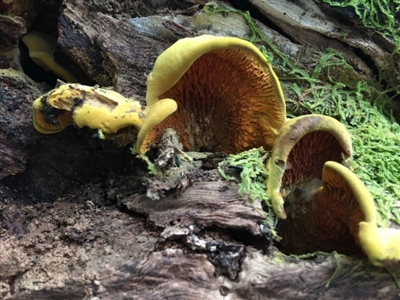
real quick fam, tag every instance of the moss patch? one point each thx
(379, 16)
(252, 175)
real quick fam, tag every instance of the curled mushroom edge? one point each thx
(298, 140)
(116, 116)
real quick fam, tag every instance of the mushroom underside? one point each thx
(48, 119)
(308, 156)
(228, 101)
(322, 214)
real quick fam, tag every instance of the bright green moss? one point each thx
(252, 175)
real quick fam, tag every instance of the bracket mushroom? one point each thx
(298, 155)
(340, 216)
(117, 117)
(229, 98)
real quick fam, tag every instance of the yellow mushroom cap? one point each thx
(300, 150)
(229, 98)
(83, 105)
(328, 220)
(8, 1)
(41, 48)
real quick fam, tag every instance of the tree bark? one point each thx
(76, 218)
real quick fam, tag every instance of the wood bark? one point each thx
(76, 220)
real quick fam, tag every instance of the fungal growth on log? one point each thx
(229, 98)
(300, 150)
(117, 117)
(339, 216)
(41, 50)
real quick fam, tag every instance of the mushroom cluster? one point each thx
(221, 94)
(226, 113)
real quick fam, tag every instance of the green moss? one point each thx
(359, 105)
(377, 15)
(100, 133)
(252, 175)
(150, 166)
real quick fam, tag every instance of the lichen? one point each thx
(359, 105)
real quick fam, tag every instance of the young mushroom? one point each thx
(41, 48)
(229, 98)
(340, 216)
(116, 116)
(298, 155)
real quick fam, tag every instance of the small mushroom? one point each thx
(340, 216)
(229, 98)
(41, 49)
(116, 116)
(298, 155)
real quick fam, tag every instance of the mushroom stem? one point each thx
(156, 113)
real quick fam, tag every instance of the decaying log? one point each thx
(16, 90)
(73, 249)
(76, 220)
(205, 199)
(315, 24)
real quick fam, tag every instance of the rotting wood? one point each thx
(75, 222)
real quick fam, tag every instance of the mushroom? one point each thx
(41, 49)
(340, 216)
(298, 155)
(229, 98)
(116, 116)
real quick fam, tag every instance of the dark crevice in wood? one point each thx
(244, 237)
(33, 70)
(256, 14)
(124, 209)
(366, 59)
(47, 20)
